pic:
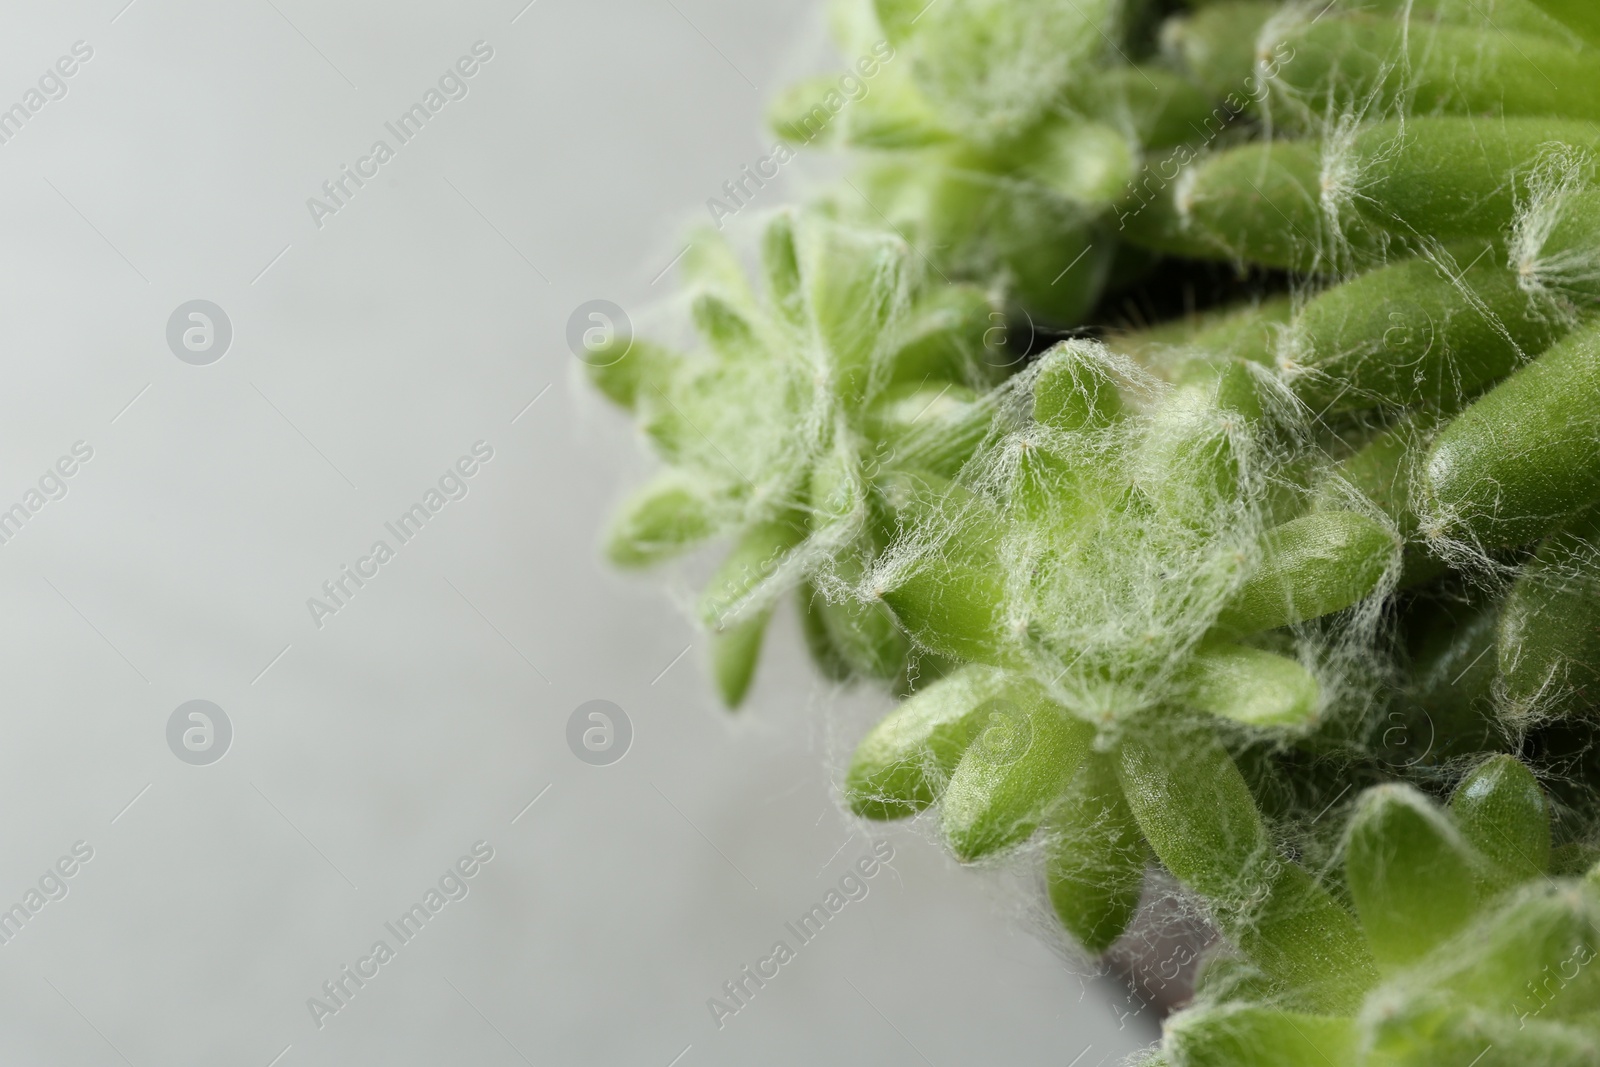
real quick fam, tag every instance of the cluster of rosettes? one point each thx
(1297, 597)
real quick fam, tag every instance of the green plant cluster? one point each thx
(1294, 596)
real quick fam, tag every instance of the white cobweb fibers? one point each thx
(1120, 544)
(1559, 281)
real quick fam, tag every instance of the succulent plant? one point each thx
(1474, 950)
(1292, 596)
(792, 432)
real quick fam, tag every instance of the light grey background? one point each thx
(369, 754)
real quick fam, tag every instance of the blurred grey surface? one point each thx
(371, 349)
